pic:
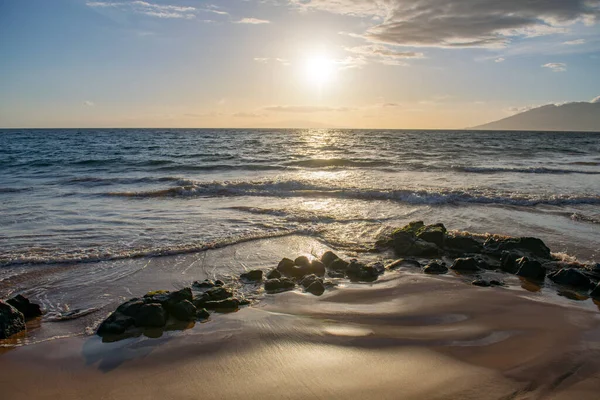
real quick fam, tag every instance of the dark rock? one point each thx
(465, 264)
(402, 242)
(571, 277)
(403, 263)
(435, 268)
(202, 313)
(214, 294)
(497, 283)
(151, 315)
(223, 306)
(412, 228)
(338, 265)
(336, 274)
(131, 307)
(252, 276)
(596, 292)
(481, 283)
(433, 233)
(12, 320)
(302, 261)
(205, 284)
(358, 272)
(115, 324)
(523, 245)
(279, 285)
(531, 269)
(328, 257)
(219, 283)
(463, 244)
(274, 274)
(25, 307)
(508, 262)
(317, 288)
(317, 268)
(286, 266)
(377, 266)
(184, 311)
(309, 280)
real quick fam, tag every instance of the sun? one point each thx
(319, 70)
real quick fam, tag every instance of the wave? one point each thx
(93, 255)
(337, 162)
(296, 188)
(223, 167)
(539, 170)
(14, 190)
(585, 218)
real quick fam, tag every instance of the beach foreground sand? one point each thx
(406, 337)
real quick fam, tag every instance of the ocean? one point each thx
(83, 206)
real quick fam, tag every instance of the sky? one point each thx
(420, 64)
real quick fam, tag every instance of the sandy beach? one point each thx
(407, 336)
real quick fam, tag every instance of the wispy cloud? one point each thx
(556, 67)
(89, 103)
(306, 109)
(266, 60)
(252, 21)
(248, 115)
(382, 54)
(574, 42)
(499, 59)
(149, 9)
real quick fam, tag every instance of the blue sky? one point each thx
(350, 63)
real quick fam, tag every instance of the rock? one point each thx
(481, 283)
(131, 307)
(202, 313)
(25, 307)
(223, 306)
(317, 288)
(328, 257)
(205, 284)
(433, 233)
(497, 283)
(169, 299)
(338, 265)
(302, 261)
(115, 324)
(335, 274)
(463, 244)
(358, 272)
(151, 315)
(286, 266)
(465, 264)
(530, 269)
(184, 311)
(403, 263)
(219, 283)
(434, 268)
(279, 285)
(525, 246)
(309, 280)
(508, 262)
(406, 243)
(214, 294)
(571, 277)
(12, 321)
(412, 228)
(252, 276)
(317, 268)
(274, 274)
(596, 292)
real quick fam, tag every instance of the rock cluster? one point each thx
(14, 312)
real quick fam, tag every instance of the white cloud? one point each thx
(574, 42)
(252, 21)
(556, 67)
(499, 59)
(265, 60)
(89, 103)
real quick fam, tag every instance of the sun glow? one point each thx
(319, 70)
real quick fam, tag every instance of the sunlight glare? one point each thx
(319, 70)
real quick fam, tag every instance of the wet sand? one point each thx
(408, 336)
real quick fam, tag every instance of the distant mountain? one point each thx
(581, 117)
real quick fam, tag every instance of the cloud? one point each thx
(383, 54)
(266, 60)
(596, 100)
(574, 42)
(556, 67)
(149, 9)
(252, 21)
(499, 59)
(460, 23)
(306, 109)
(247, 115)
(89, 103)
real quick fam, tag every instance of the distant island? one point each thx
(579, 117)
